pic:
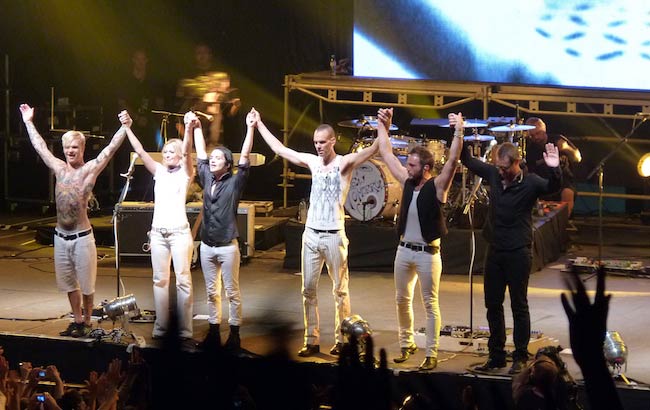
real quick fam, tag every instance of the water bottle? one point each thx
(332, 65)
(302, 211)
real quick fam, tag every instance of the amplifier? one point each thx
(134, 222)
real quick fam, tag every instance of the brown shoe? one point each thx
(517, 366)
(491, 364)
(309, 350)
(429, 363)
(406, 352)
(336, 349)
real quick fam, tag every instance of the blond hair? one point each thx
(70, 136)
(177, 145)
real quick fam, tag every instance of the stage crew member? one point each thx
(220, 254)
(508, 231)
(420, 226)
(75, 254)
(170, 236)
(324, 240)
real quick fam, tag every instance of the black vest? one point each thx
(432, 221)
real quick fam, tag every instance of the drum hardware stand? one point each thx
(600, 170)
(165, 121)
(128, 175)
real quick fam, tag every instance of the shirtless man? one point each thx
(75, 254)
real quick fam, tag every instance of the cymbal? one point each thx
(367, 121)
(476, 123)
(479, 138)
(512, 128)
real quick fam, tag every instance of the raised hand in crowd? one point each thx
(587, 327)
(361, 384)
(42, 401)
(52, 374)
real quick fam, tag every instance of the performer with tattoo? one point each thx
(75, 255)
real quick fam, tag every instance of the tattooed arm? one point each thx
(98, 164)
(37, 141)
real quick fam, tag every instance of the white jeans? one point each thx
(410, 266)
(330, 249)
(222, 263)
(176, 248)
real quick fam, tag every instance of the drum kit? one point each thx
(375, 193)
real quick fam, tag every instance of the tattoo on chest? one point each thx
(72, 193)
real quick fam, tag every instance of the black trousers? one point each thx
(509, 269)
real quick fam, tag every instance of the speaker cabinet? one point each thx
(134, 222)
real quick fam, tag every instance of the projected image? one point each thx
(604, 44)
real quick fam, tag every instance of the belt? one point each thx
(73, 236)
(325, 230)
(169, 231)
(420, 248)
(220, 244)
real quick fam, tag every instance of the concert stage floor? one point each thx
(32, 311)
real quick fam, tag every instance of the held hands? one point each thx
(125, 119)
(256, 115)
(251, 118)
(27, 113)
(385, 116)
(456, 121)
(191, 120)
(551, 156)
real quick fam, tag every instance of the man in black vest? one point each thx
(421, 224)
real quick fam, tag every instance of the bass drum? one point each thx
(374, 192)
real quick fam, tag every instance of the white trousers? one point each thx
(75, 264)
(330, 249)
(175, 248)
(410, 266)
(222, 263)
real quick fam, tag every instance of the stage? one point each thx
(373, 243)
(33, 312)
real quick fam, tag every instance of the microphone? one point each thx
(204, 115)
(643, 114)
(370, 201)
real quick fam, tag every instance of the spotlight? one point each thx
(355, 325)
(643, 166)
(615, 353)
(122, 307)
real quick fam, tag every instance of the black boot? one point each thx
(233, 343)
(212, 339)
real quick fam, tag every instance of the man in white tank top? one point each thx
(421, 225)
(324, 240)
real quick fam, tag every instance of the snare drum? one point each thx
(374, 192)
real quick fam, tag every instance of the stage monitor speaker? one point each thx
(134, 222)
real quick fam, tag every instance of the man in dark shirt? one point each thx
(569, 157)
(220, 254)
(509, 234)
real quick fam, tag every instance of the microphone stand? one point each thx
(116, 210)
(600, 170)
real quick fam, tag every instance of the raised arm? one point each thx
(446, 177)
(247, 145)
(354, 159)
(37, 141)
(295, 157)
(98, 164)
(385, 116)
(149, 163)
(190, 123)
(552, 161)
(199, 142)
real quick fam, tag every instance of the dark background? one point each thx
(83, 50)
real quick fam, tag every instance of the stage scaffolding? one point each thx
(443, 95)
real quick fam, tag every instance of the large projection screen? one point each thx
(599, 44)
